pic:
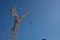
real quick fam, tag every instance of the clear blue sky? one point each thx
(45, 19)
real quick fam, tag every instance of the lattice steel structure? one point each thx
(13, 31)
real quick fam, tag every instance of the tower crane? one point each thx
(13, 31)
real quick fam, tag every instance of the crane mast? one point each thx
(13, 31)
